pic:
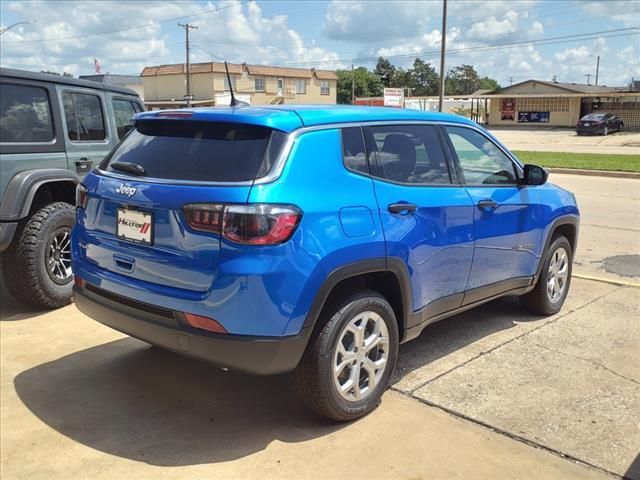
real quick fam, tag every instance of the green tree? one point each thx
(487, 83)
(462, 80)
(367, 84)
(385, 71)
(424, 80)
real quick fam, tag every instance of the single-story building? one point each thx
(559, 104)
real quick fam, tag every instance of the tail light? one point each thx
(82, 196)
(253, 224)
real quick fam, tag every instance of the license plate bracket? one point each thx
(134, 226)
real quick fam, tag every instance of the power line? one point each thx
(109, 32)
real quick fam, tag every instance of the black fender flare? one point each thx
(392, 265)
(572, 220)
(22, 188)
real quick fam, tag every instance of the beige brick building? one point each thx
(165, 85)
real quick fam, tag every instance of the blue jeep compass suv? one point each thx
(313, 239)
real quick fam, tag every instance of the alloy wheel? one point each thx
(558, 274)
(58, 256)
(361, 356)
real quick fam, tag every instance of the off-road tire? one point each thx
(537, 301)
(23, 263)
(313, 377)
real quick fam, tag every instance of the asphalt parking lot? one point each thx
(491, 393)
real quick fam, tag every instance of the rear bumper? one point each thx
(592, 130)
(256, 355)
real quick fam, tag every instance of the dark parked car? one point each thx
(599, 123)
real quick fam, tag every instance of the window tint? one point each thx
(353, 151)
(25, 115)
(202, 151)
(124, 110)
(83, 113)
(408, 154)
(481, 161)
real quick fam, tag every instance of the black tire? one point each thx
(24, 262)
(314, 379)
(537, 301)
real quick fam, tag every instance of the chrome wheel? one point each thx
(361, 356)
(557, 275)
(58, 256)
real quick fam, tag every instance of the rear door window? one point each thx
(25, 114)
(408, 154)
(124, 110)
(84, 117)
(200, 151)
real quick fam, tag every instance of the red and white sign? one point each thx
(393, 97)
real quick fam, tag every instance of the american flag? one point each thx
(96, 63)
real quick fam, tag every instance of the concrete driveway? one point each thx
(492, 393)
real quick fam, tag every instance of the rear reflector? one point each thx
(204, 323)
(78, 281)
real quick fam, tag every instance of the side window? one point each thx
(408, 154)
(353, 151)
(25, 114)
(124, 110)
(84, 117)
(481, 161)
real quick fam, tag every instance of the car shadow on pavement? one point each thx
(12, 309)
(451, 334)
(150, 405)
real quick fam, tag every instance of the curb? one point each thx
(619, 283)
(596, 173)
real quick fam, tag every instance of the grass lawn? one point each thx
(588, 161)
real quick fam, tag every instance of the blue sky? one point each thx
(126, 36)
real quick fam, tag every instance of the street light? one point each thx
(6, 29)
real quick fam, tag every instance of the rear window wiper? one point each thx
(129, 167)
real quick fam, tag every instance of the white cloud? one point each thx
(228, 29)
(622, 11)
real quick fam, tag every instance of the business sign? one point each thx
(393, 97)
(508, 109)
(533, 117)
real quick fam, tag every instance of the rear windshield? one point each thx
(199, 151)
(593, 116)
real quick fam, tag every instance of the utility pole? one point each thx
(442, 52)
(187, 27)
(597, 68)
(588, 75)
(510, 80)
(353, 86)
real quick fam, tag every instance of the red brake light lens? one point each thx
(253, 224)
(82, 196)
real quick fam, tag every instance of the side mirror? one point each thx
(535, 175)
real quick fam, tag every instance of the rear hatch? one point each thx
(133, 222)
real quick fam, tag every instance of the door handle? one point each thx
(83, 165)
(402, 207)
(488, 204)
